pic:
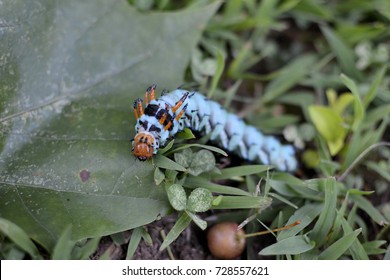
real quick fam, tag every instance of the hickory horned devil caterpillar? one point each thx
(164, 117)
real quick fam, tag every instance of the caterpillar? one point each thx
(164, 117)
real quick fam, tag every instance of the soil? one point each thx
(190, 245)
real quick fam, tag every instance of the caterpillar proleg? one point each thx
(164, 117)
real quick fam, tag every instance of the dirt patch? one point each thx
(190, 245)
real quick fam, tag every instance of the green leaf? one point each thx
(198, 221)
(218, 73)
(196, 163)
(118, 238)
(373, 247)
(306, 214)
(71, 71)
(374, 86)
(330, 125)
(358, 105)
(135, 239)
(159, 176)
(381, 168)
(282, 199)
(203, 161)
(166, 163)
(146, 237)
(327, 216)
(367, 207)
(184, 158)
(339, 219)
(199, 200)
(337, 249)
(290, 246)
(177, 196)
(167, 147)
(313, 9)
(243, 170)
(344, 54)
(181, 224)
(87, 249)
(289, 76)
(64, 245)
(342, 102)
(243, 202)
(19, 237)
(211, 148)
(185, 134)
(355, 33)
(196, 182)
(375, 115)
(362, 142)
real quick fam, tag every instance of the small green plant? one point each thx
(190, 193)
(16, 244)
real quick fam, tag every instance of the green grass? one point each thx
(317, 75)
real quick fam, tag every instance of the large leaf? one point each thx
(69, 71)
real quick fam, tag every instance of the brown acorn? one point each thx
(225, 241)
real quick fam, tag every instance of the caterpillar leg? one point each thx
(150, 93)
(219, 133)
(236, 143)
(205, 124)
(137, 108)
(180, 102)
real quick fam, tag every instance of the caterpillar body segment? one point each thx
(164, 117)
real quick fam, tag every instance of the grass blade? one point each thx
(337, 249)
(134, 242)
(89, 248)
(343, 53)
(358, 105)
(198, 221)
(356, 249)
(243, 202)
(373, 247)
(374, 86)
(240, 171)
(196, 182)
(306, 214)
(19, 237)
(289, 76)
(366, 206)
(282, 199)
(327, 216)
(64, 246)
(290, 246)
(218, 73)
(211, 148)
(375, 115)
(181, 224)
(166, 163)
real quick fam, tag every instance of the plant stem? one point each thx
(274, 230)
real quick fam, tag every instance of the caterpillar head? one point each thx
(144, 145)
